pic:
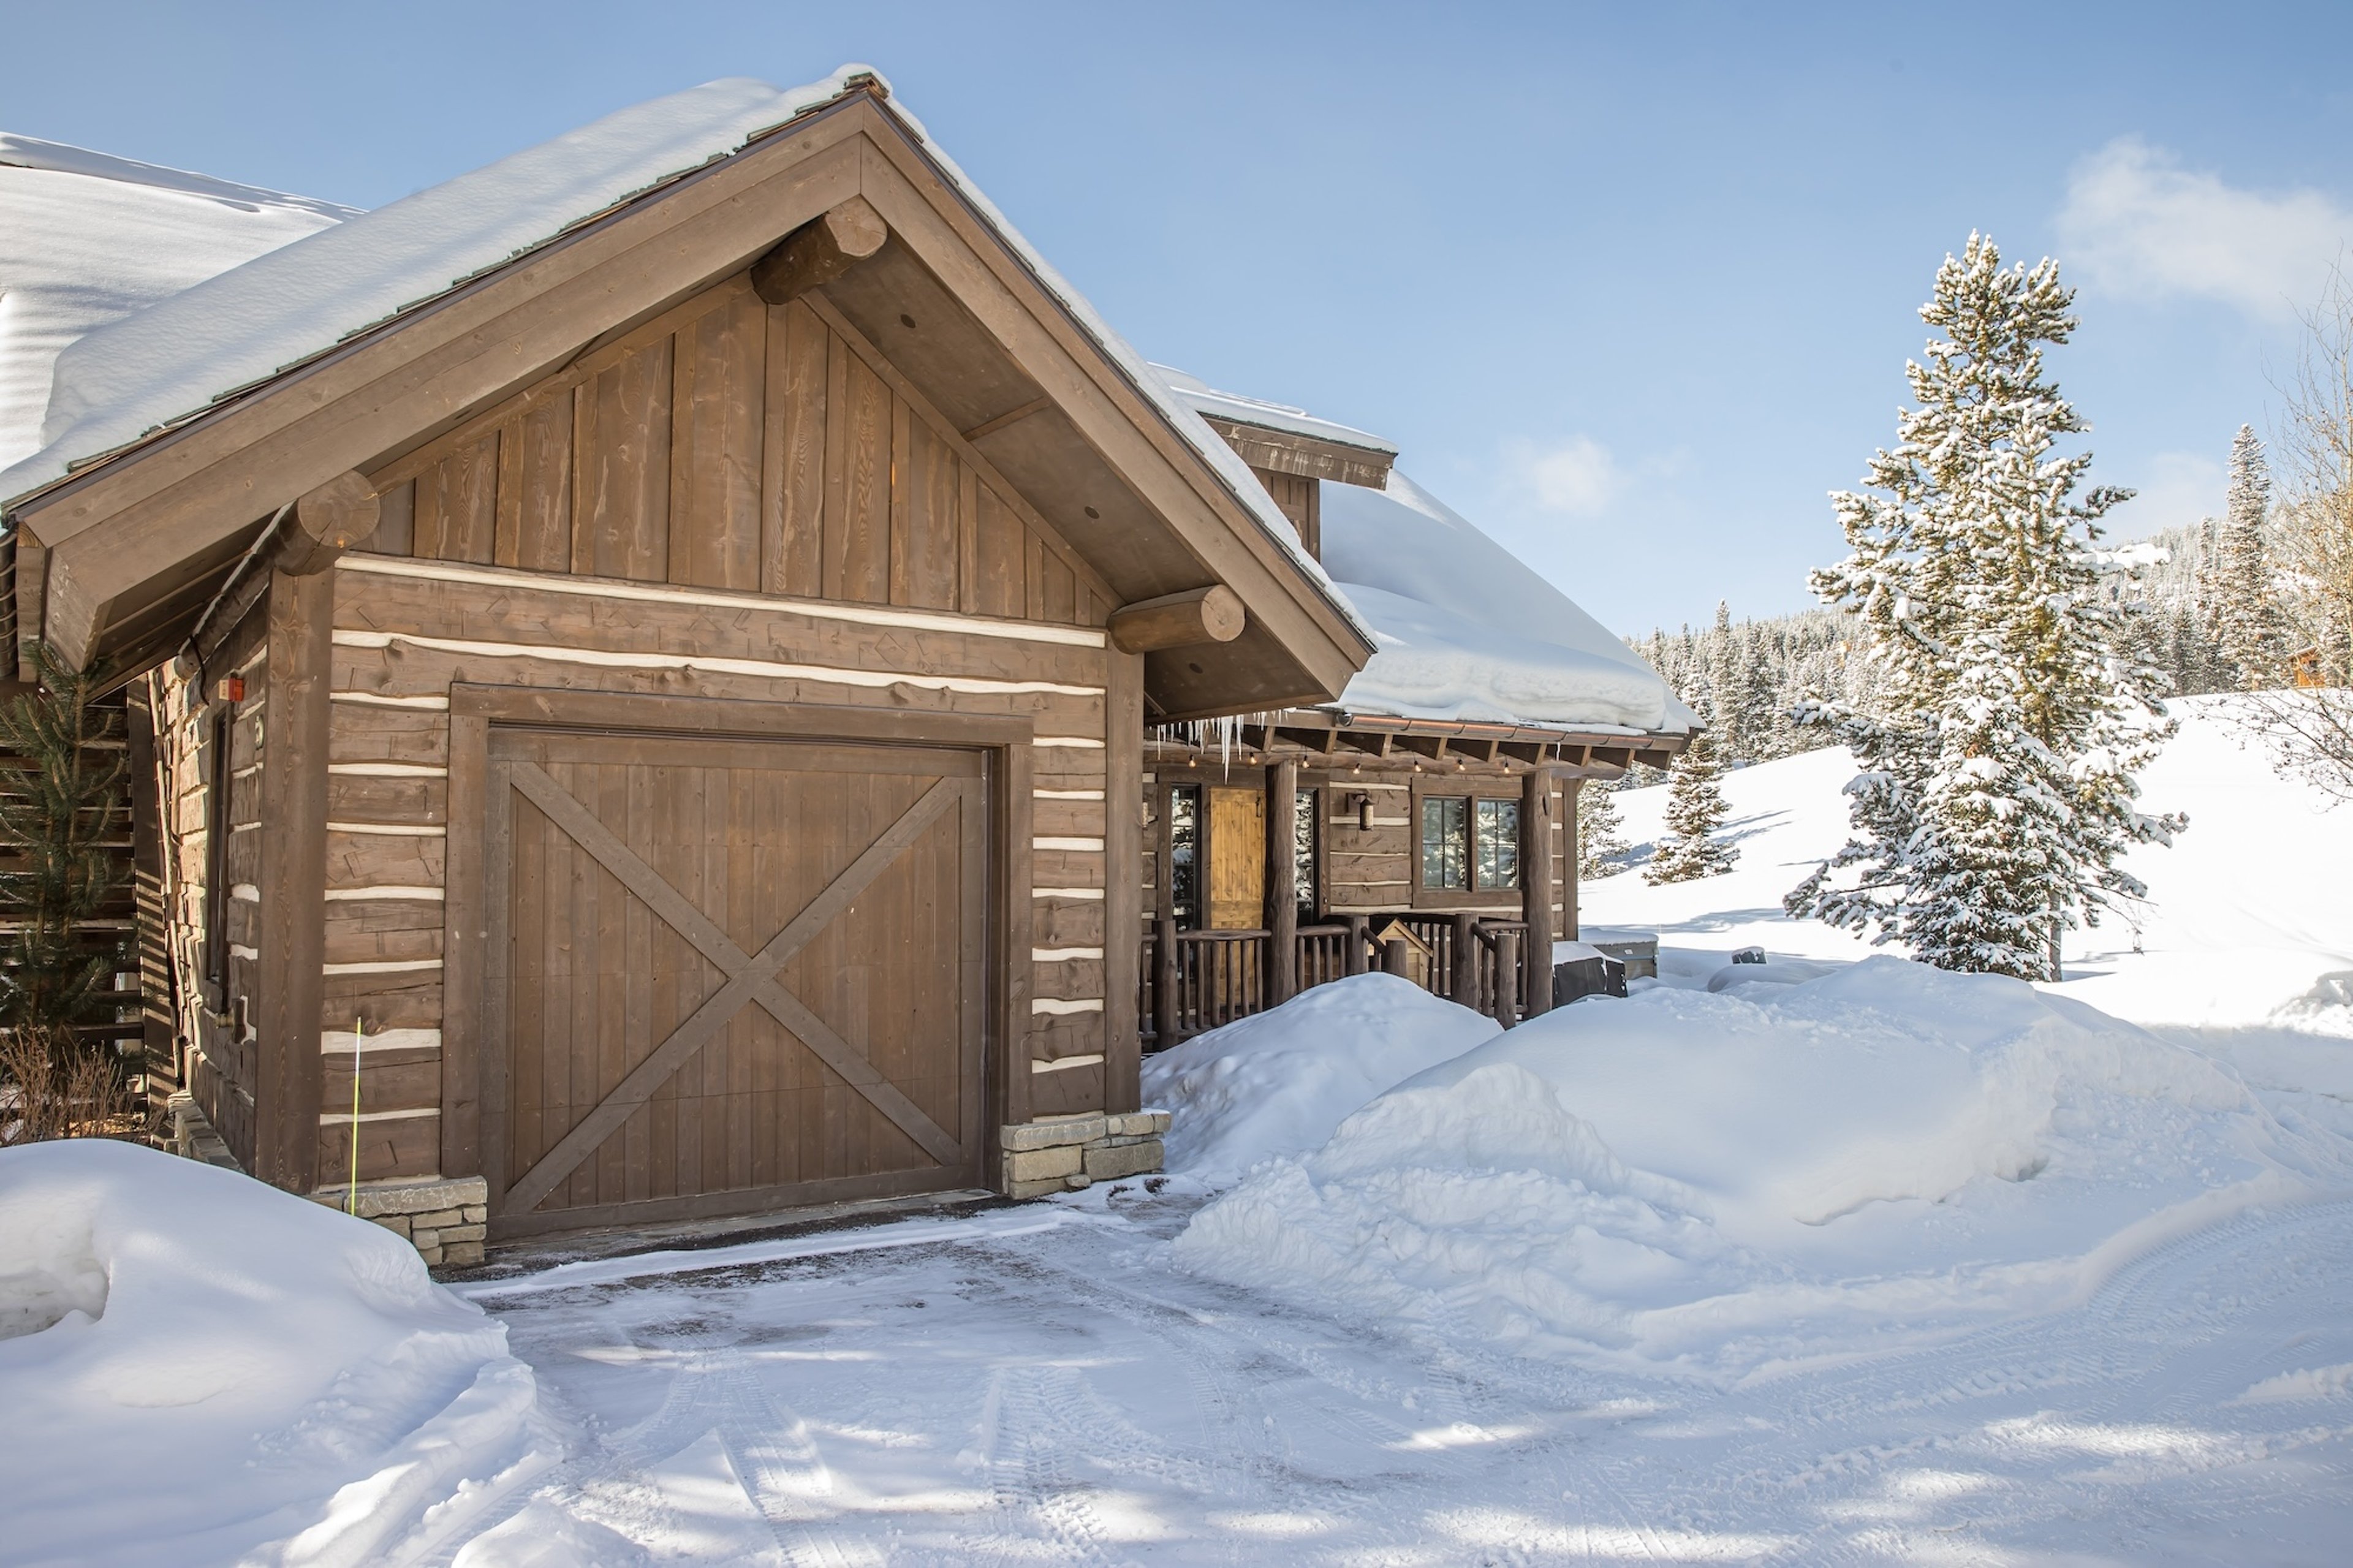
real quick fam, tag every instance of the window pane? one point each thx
(1184, 856)
(1302, 852)
(1445, 832)
(1498, 844)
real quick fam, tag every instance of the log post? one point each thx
(1356, 959)
(1397, 958)
(293, 884)
(1188, 619)
(1535, 887)
(1281, 883)
(1572, 796)
(1164, 982)
(819, 251)
(1508, 983)
(1465, 983)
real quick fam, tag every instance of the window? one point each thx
(1470, 845)
(1445, 860)
(1184, 856)
(1497, 842)
(1303, 853)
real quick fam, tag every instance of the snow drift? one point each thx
(244, 1374)
(1282, 1081)
(1714, 1184)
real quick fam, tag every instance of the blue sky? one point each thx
(1631, 286)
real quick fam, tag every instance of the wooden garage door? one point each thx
(731, 974)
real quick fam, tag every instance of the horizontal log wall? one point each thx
(215, 1021)
(1371, 870)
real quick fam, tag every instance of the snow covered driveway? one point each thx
(1066, 1397)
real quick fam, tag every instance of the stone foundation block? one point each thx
(1043, 1165)
(430, 1196)
(445, 1218)
(1054, 1134)
(1073, 1152)
(1107, 1160)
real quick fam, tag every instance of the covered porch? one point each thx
(1303, 846)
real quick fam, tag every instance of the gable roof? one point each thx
(87, 239)
(125, 393)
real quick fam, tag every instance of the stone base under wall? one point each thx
(444, 1218)
(192, 1135)
(1060, 1154)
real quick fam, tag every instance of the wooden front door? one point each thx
(1237, 860)
(729, 974)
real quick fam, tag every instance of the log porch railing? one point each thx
(1194, 981)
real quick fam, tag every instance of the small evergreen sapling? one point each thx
(1694, 810)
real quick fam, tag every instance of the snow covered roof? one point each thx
(123, 382)
(1203, 398)
(87, 239)
(1465, 630)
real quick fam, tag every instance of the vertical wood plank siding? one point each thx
(735, 445)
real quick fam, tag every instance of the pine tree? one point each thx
(1728, 688)
(1694, 810)
(1997, 791)
(2248, 626)
(1600, 836)
(55, 820)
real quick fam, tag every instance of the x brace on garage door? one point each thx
(750, 978)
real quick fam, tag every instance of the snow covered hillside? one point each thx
(2248, 921)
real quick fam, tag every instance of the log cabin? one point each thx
(646, 664)
(625, 637)
(1425, 818)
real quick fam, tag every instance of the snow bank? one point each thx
(1281, 1082)
(1466, 630)
(194, 1358)
(1712, 1183)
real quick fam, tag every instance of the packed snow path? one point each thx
(1064, 1397)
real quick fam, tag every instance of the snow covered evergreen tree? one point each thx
(1601, 845)
(1997, 791)
(1727, 689)
(2249, 628)
(1694, 812)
